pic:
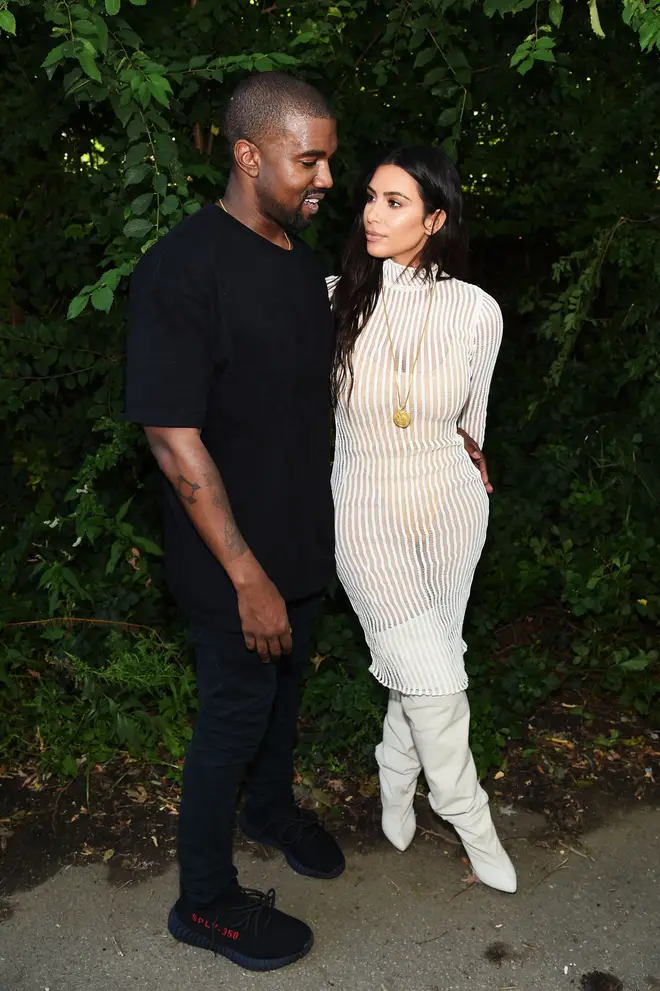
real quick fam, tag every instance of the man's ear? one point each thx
(435, 222)
(247, 158)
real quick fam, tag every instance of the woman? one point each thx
(415, 357)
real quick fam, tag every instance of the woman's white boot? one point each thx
(439, 727)
(399, 769)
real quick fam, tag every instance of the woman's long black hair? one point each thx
(445, 253)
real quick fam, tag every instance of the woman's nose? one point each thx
(371, 214)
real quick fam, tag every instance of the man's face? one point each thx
(294, 170)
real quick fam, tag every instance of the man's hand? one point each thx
(264, 619)
(479, 459)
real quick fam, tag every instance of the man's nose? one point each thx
(323, 178)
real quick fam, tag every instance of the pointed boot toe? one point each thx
(399, 828)
(490, 861)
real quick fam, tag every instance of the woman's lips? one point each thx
(372, 236)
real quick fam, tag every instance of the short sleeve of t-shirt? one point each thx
(174, 341)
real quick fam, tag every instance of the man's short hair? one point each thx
(261, 103)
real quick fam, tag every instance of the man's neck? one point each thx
(244, 209)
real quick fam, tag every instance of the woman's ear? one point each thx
(435, 222)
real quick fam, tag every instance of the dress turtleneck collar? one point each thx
(399, 277)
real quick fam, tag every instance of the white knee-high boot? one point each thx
(399, 769)
(439, 727)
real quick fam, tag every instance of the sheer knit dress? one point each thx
(411, 511)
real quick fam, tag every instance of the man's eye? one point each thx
(310, 165)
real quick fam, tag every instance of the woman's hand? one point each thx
(479, 459)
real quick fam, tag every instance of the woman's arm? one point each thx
(485, 348)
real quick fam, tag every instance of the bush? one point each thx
(109, 115)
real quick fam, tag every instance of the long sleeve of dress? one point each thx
(486, 345)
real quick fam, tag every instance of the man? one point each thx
(229, 358)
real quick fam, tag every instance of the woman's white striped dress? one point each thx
(411, 509)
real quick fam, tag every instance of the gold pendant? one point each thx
(401, 418)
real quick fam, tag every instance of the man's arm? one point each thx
(478, 457)
(186, 463)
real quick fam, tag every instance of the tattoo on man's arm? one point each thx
(234, 541)
(186, 490)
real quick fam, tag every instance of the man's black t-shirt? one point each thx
(232, 334)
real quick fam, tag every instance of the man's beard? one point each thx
(297, 222)
(293, 221)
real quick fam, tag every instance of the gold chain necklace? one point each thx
(401, 416)
(289, 246)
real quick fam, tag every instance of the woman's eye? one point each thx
(394, 203)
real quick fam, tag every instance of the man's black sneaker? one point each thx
(243, 926)
(308, 848)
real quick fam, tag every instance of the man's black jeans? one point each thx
(248, 713)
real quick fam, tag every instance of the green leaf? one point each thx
(89, 66)
(649, 31)
(435, 75)
(165, 149)
(135, 128)
(112, 277)
(102, 298)
(138, 3)
(449, 116)
(449, 145)
(424, 57)
(545, 42)
(148, 545)
(123, 509)
(71, 79)
(283, 59)
(101, 33)
(159, 86)
(594, 17)
(69, 766)
(7, 21)
(115, 554)
(141, 203)
(543, 55)
(71, 579)
(525, 66)
(137, 227)
(136, 173)
(639, 663)
(198, 61)
(135, 154)
(169, 204)
(521, 53)
(112, 7)
(54, 56)
(556, 12)
(160, 183)
(77, 305)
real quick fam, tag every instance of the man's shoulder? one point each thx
(189, 247)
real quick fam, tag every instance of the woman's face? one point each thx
(394, 220)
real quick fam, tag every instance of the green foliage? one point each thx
(139, 700)
(110, 119)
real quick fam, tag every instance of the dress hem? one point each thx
(393, 686)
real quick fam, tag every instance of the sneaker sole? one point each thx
(186, 935)
(294, 864)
